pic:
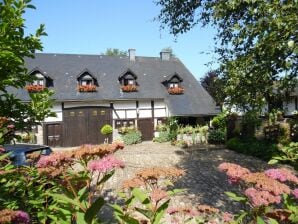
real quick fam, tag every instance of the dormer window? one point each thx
(40, 81)
(173, 85)
(128, 82)
(86, 82)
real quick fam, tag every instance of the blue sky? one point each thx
(92, 26)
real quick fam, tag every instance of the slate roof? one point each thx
(64, 69)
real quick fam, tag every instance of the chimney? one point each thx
(132, 54)
(165, 55)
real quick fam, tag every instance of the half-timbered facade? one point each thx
(94, 90)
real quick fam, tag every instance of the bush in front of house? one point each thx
(164, 136)
(106, 129)
(216, 136)
(132, 137)
(262, 149)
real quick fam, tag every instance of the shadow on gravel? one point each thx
(204, 183)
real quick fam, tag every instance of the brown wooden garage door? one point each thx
(82, 125)
(146, 127)
(54, 134)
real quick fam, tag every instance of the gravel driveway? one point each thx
(203, 182)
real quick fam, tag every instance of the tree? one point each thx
(258, 44)
(115, 52)
(214, 85)
(15, 46)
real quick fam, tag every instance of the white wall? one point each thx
(85, 104)
(289, 106)
(57, 108)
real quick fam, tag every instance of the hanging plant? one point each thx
(129, 88)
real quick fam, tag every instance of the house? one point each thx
(93, 90)
(290, 106)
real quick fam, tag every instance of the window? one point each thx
(173, 85)
(130, 82)
(86, 80)
(38, 82)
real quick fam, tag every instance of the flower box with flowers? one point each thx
(175, 90)
(87, 88)
(34, 88)
(129, 88)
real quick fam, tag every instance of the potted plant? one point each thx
(176, 90)
(86, 88)
(34, 88)
(106, 130)
(129, 88)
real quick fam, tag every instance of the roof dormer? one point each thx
(128, 81)
(174, 85)
(40, 81)
(86, 81)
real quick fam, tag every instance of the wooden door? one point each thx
(82, 125)
(146, 127)
(54, 135)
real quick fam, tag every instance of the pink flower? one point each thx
(259, 197)
(158, 194)
(172, 211)
(55, 159)
(105, 164)
(10, 126)
(227, 217)
(282, 175)
(234, 172)
(295, 193)
(21, 217)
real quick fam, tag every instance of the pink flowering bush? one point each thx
(81, 174)
(268, 194)
(105, 164)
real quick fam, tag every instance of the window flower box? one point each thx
(176, 90)
(129, 88)
(34, 88)
(86, 88)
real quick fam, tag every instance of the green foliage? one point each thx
(180, 143)
(30, 191)
(172, 123)
(124, 130)
(287, 154)
(106, 129)
(133, 137)
(249, 123)
(214, 85)
(220, 121)
(257, 44)
(14, 47)
(188, 130)
(261, 149)
(216, 137)
(115, 52)
(164, 136)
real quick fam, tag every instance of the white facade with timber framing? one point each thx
(94, 90)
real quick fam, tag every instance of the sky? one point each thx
(92, 26)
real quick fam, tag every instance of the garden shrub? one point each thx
(220, 121)
(132, 137)
(269, 196)
(172, 123)
(106, 129)
(288, 154)
(164, 136)
(262, 149)
(216, 136)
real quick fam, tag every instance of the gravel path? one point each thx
(203, 182)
